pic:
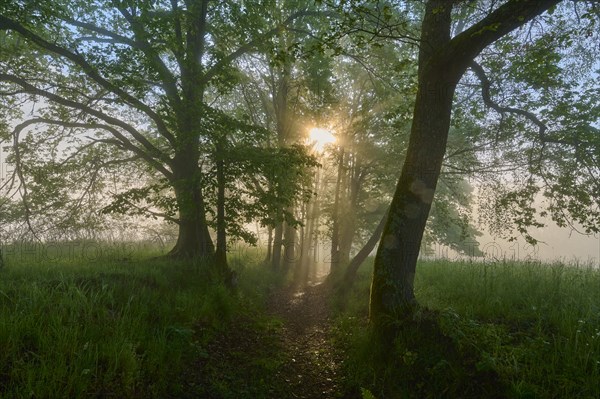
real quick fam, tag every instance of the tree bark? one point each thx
(221, 251)
(277, 244)
(441, 64)
(362, 255)
(194, 240)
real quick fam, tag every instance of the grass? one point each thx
(113, 326)
(121, 324)
(530, 330)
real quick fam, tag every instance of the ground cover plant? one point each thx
(114, 327)
(505, 329)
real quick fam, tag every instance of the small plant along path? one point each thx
(311, 369)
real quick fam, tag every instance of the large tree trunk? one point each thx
(194, 240)
(441, 64)
(392, 291)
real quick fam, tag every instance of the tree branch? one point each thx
(253, 44)
(178, 51)
(169, 82)
(90, 71)
(153, 213)
(485, 94)
(102, 31)
(464, 47)
(127, 144)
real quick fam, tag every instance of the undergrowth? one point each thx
(516, 330)
(113, 326)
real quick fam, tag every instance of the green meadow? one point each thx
(139, 326)
(508, 329)
(112, 327)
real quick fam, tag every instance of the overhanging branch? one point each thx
(120, 138)
(464, 47)
(487, 100)
(90, 71)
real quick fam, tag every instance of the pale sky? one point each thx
(555, 244)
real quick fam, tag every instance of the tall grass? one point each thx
(536, 326)
(539, 325)
(104, 327)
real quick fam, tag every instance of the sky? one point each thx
(555, 244)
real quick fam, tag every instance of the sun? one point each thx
(320, 138)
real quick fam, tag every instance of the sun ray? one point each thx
(320, 138)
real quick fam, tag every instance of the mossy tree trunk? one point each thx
(442, 62)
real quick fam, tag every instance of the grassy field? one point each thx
(123, 324)
(113, 326)
(519, 330)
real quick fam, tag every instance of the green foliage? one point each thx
(543, 145)
(366, 394)
(260, 181)
(127, 202)
(135, 84)
(532, 329)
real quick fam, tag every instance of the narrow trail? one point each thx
(294, 359)
(312, 369)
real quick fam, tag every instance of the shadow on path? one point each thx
(292, 358)
(311, 370)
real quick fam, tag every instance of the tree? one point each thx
(138, 76)
(281, 92)
(374, 86)
(442, 62)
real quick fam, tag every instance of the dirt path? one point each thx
(312, 367)
(270, 360)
